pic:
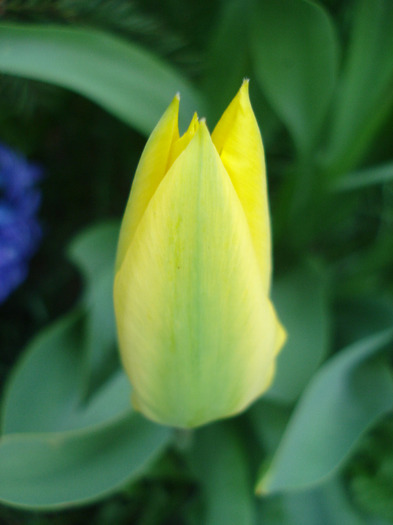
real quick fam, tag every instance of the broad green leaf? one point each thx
(121, 76)
(365, 95)
(327, 505)
(93, 251)
(302, 305)
(220, 463)
(44, 393)
(364, 178)
(295, 56)
(348, 394)
(58, 470)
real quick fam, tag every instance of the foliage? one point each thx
(82, 85)
(371, 471)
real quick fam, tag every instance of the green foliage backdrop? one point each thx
(82, 85)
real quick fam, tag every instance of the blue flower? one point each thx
(20, 232)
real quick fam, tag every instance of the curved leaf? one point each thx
(122, 77)
(44, 391)
(365, 96)
(52, 471)
(93, 251)
(364, 178)
(327, 505)
(302, 305)
(295, 56)
(345, 397)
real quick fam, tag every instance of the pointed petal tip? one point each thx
(203, 129)
(194, 124)
(175, 104)
(244, 89)
(172, 111)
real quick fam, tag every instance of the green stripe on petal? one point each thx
(197, 335)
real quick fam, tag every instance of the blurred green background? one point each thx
(82, 85)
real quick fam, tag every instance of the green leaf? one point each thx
(60, 448)
(302, 305)
(327, 505)
(348, 394)
(93, 251)
(221, 466)
(364, 178)
(122, 77)
(365, 97)
(294, 49)
(59, 470)
(44, 393)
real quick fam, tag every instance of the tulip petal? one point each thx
(239, 144)
(151, 170)
(197, 335)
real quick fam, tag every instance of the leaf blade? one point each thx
(125, 79)
(345, 397)
(54, 471)
(301, 300)
(365, 97)
(296, 69)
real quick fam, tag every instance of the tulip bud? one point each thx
(198, 334)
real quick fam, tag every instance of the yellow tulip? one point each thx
(198, 334)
